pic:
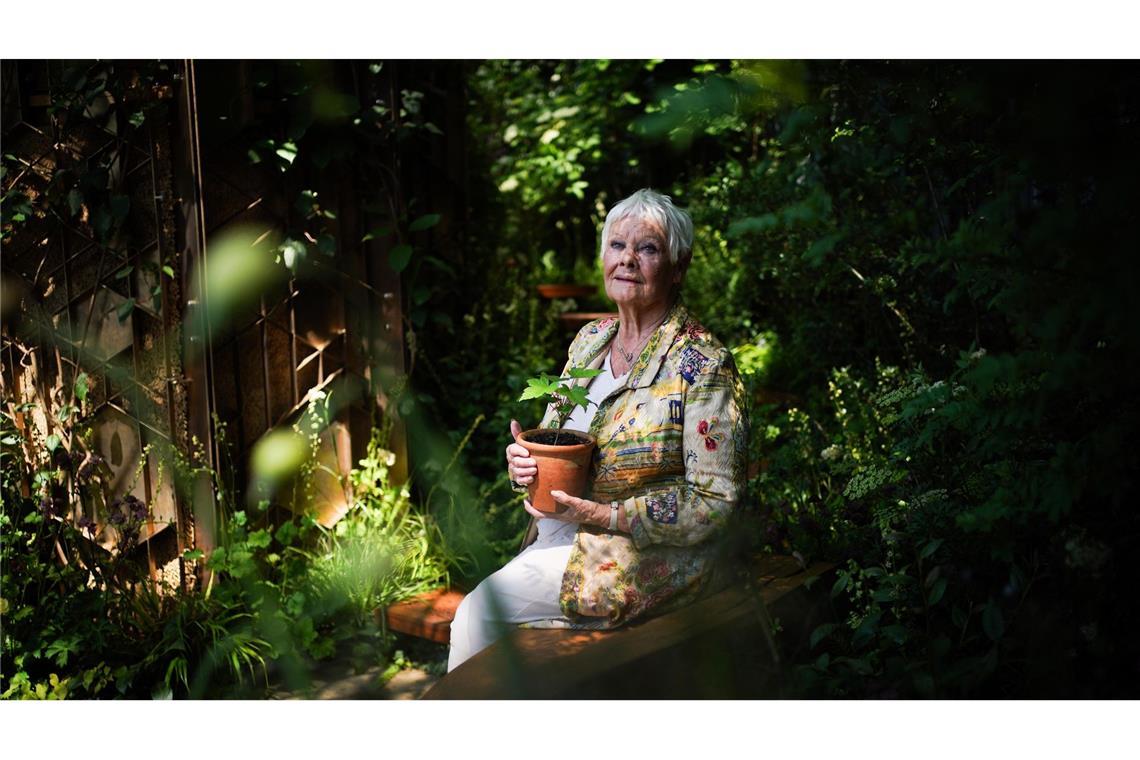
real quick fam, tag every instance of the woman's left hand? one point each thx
(577, 510)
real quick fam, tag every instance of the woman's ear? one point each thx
(682, 268)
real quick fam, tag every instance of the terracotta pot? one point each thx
(563, 467)
(567, 290)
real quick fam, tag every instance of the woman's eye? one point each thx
(616, 244)
(649, 249)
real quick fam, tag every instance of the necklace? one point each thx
(630, 355)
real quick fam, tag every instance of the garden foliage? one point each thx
(929, 262)
(923, 269)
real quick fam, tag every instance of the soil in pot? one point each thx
(562, 466)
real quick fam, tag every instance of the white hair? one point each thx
(651, 205)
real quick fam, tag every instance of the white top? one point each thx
(602, 386)
(551, 531)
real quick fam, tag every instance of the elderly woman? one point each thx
(669, 465)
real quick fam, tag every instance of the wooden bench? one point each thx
(427, 616)
(720, 647)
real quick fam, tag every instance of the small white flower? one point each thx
(831, 453)
(978, 354)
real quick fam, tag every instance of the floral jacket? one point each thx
(672, 445)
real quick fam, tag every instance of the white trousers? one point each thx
(525, 590)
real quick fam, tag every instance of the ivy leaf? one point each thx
(424, 222)
(399, 257)
(81, 387)
(125, 310)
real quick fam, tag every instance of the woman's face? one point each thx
(638, 273)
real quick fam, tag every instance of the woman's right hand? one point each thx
(520, 467)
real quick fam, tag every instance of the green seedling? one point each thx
(560, 392)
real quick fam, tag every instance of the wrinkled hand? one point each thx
(521, 468)
(577, 510)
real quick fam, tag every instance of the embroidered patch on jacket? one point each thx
(662, 509)
(692, 362)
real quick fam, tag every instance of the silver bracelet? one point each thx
(613, 515)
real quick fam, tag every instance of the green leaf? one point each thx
(930, 548)
(193, 554)
(286, 533)
(532, 392)
(259, 539)
(821, 633)
(124, 272)
(992, 622)
(426, 221)
(578, 395)
(52, 442)
(75, 201)
(840, 584)
(81, 387)
(169, 271)
(293, 253)
(815, 254)
(379, 232)
(399, 257)
(576, 372)
(125, 310)
(288, 152)
(866, 629)
(896, 633)
(937, 592)
(10, 440)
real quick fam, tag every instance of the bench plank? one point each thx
(427, 616)
(529, 663)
